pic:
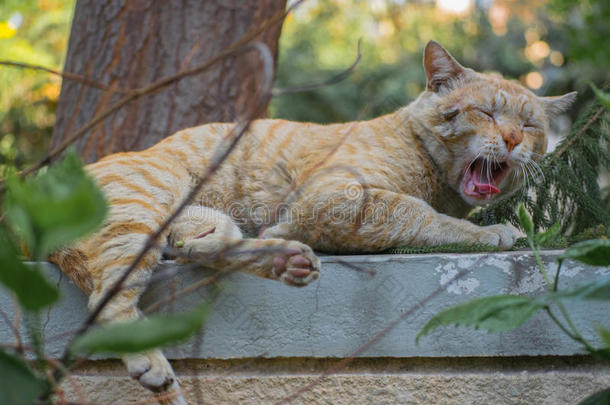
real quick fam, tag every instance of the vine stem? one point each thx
(556, 282)
(577, 337)
(552, 286)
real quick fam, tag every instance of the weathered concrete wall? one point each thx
(260, 319)
(463, 381)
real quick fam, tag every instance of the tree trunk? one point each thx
(132, 43)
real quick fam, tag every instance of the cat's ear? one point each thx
(440, 66)
(558, 104)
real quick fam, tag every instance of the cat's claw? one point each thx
(297, 265)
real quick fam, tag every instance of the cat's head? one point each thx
(493, 129)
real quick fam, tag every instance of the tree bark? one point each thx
(131, 43)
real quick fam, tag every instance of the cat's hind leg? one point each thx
(210, 237)
(108, 259)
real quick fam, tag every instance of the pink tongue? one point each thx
(483, 186)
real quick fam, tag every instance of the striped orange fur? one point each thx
(400, 179)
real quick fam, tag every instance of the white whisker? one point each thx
(530, 171)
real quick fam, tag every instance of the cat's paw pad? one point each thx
(151, 369)
(297, 265)
(498, 235)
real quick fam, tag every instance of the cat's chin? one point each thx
(482, 181)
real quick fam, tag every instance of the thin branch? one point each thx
(333, 80)
(65, 372)
(581, 131)
(217, 275)
(309, 175)
(14, 326)
(352, 266)
(378, 336)
(65, 75)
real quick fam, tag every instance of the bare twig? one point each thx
(217, 275)
(378, 336)
(352, 266)
(65, 75)
(14, 325)
(67, 374)
(580, 132)
(333, 80)
(307, 176)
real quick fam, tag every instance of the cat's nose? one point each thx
(512, 139)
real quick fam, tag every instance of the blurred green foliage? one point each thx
(31, 31)
(554, 47)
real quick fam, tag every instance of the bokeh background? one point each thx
(552, 47)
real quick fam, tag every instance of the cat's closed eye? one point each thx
(488, 114)
(530, 126)
(451, 113)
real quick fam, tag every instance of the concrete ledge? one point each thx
(458, 381)
(253, 317)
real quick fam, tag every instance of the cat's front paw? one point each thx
(297, 265)
(499, 235)
(154, 372)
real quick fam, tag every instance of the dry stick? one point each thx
(66, 75)
(18, 342)
(73, 383)
(240, 129)
(352, 266)
(333, 80)
(134, 94)
(378, 336)
(215, 277)
(164, 274)
(294, 185)
(581, 131)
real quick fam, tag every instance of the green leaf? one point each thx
(603, 97)
(548, 236)
(526, 221)
(599, 398)
(55, 207)
(142, 334)
(494, 313)
(18, 383)
(595, 252)
(31, 287)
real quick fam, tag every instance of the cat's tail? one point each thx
(73, 262)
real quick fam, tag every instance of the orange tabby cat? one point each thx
(400, 179)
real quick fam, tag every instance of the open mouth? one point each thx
(482, 177)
